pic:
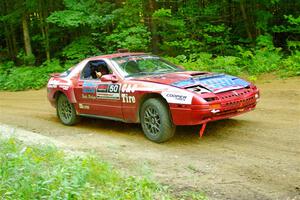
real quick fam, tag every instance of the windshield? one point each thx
(144, 65)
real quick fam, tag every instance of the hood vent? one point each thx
(198, 89)
(199, 73)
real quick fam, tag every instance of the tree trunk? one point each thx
(26, 36)
(8, 42)
(14, 42)
(152, 26)
(44, 27)
(47, 42)
(244, 15)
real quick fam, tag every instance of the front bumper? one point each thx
(227, 107)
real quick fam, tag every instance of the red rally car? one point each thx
(144, 88)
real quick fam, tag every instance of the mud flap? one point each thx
(202, 129)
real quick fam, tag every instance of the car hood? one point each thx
(213, 82)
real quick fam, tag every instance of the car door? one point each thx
(96, 97)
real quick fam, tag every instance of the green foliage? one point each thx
(216, 38)
(265, 41)
(171, 30)
(32, 172)
(129, 32)
(79, 49)
(79, 13)
(134, 38)
(26, 59)
(250, 61)
(292, 25)
(21, 78)
(265, 58)
(206, 62)
(263, 61)
(290, 66)
(263, 20)
(68, 18)
(129, 15)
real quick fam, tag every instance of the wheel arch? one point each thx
(147, 96)
(57, 94)
(68, 94)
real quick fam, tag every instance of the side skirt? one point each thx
(104, 117)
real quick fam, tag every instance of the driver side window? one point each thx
(95, 69)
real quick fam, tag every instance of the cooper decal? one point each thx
(179, 98)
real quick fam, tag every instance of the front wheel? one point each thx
(66, 111)
(156, 120)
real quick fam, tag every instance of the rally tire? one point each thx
(156, 120)
(66, 111)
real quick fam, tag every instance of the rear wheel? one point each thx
(156, 120)
(66, 111)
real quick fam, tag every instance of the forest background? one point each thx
(239, 37)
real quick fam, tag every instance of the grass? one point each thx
(39, 172)
(14, 78)
(28, 172)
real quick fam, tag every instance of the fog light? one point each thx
(257, 97)
(215, 106)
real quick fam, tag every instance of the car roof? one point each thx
(116, 55)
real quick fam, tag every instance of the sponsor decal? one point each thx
(89, 87)
(53, 83)
(88, 96)
(176, 97)
(128, 99)
(52, 86)
(89, 84)
(88, 90)
(102, 88)
(92, 90)
(83, 106)
(129, 88)
(64, 87)
(217, 82)
(108, 91)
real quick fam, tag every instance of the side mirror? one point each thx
(109, 78)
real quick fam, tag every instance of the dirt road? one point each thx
(253, 156)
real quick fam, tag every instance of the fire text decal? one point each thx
(128, 99)
(128, 88)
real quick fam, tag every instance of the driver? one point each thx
(101, 70)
